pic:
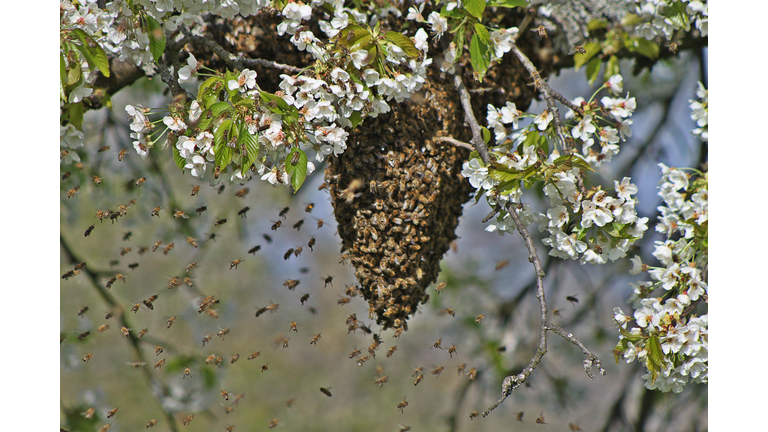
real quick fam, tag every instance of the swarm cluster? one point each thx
(397, 196)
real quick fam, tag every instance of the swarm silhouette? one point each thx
(397, 196)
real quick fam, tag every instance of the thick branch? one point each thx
(477, 133)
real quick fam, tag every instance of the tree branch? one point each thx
(477, 133)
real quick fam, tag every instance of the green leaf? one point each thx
(611, 68)
(508, 3)
(486, 134)
(478, 52)
(677, 14)
(357, 32)
(630, 19)
(251, 147)
(643, 47)
(362, 43)
(92, 51)
(580, 59)
(296, 166)
(180, 161)
(356, 118)
(156, 38)
(207, 94)
(212, 114)
(221, 144)
(504, 174)
(654, 351)
(404, 42)
(482, 32)
(475, 7)
(76, 115)
(62, 70)
(277, 105)
(597, 24)
(593, 70)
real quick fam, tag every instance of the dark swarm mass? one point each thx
(397, 197)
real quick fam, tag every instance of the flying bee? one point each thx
(83, 335)
(438, 371)
(268, 238)
(381, 380)
(242, 193)
(304, 298)
(212, 313)
(87, 357)
(66, 175)
(69, 274)
(188, 420)
(222, 333)
(180, 215)
(320, 223)
(168, 248)
(361, 361)
(220, 222)
(284, 211)
(72, 192)
(136, 364)
(402, 405)
(288, 253)
(88, 414)
(276, 225)
(556, 313)
(311, 243)
(342, 301)
(418, 379)
(187, 372)
(314, 339)
(243, 211)
(206, 339)
(142, 333)
(285, 343)
(195, 190)
(391, 351)
(326, 391)
(473, 415)
(82, 311)
(461, 368)
(574, 427)
(192, 242)
(541, 30)
(174, 282)
(170, 322)
(156, 245)
(151, 423)
(297, 225)
(141, 181)
(112, 413)
(440, 287)
(309, 207)
(438, 344)
(234, 358)
(472, 374)
(207, 303)
(354, 353)
(217, 172)
(125, 331)
(105, 428)
(260, 311)
(97, 180)
(225, 395)
(102, 328)
(501, 264)
(201, 209)
(148, 302)
(450, 312)
(572, 299)
(293, 326)
(291, 284)
(540, 419)
(264, 367)
(235, 263)
(89, 229)
(297, 252)
(273, 424)
(121, 155)
(160, 363)
(452, 350)
(190, 267)
(155, 211)
(365, 328)
(254, 249)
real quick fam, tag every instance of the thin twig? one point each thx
(455, 142)
(477, 133)
(232, 60)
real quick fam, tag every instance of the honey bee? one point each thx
(160, 363)
(88, 414)
(83, 335)
(121, 155)
(225, 395)
(242, 193)
(479, 319)
(574, 427)
(97, 180)
(268, 238)
(311, 243)
(180, 215)
(350, 193)
(105, 428)
(401, 406)
(89, 230)
(440, 287)
(325, 391)
(577, 49)
(125, 331)
(304, 298)
(187, 372)
(141, 181)
(452, 350)
(276, 225)
(228, 409)
(541, 30)
(381, 380)
(285, 343)
(438, 371)
(293, 326)
(190, 267)
(361, 361)
(72, 192)
(168, 248)
(438, 344)
(195, 190)
(108, 315)
(264, 367)
(314, 339)
(156, 245)
(243, 211)
(284, 211)
(69, 274)
(472, 374)
(217, 172)
(235, 263)
(229, 429)
(461, 368)
(148, 302)
(102, 328)
(540, 418)
(273, 423)
(206, 339)
(151, 423)
(222, 333)
(501, 264)
(320, 223)
(155, 212)
(572, 299)
(288, 254)
(473, 415)
(142, 333)
(158, 350)
(207, 303)
(354, 353)
(391, 351)
(188, 420)
(66, 175)
(450, 312)
(112, 413)
(170, 322)
(219, 223)
(254, 249)
(87, 357)
(254, 355)
(234, 358)
(297, 252)
(201, 209)
(342, 301)
(260, 311)
(82, 311)
(309, 207)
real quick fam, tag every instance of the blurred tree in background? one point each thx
(357, 282)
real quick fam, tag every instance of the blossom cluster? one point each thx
(595, 225)
(700, 112)
(664, 17)
(668, 334)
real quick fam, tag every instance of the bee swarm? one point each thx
(397, 197)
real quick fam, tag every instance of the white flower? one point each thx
(415, 13)
(510, 114)
(79, 93)
(501, 40)
(625, 189)
(542, 120)
(186, 72)
(421, 39)
(620, 107)
(194, 111)
(477, 174)
(615, 84)
(439, 24)
(297, 12)
(360, 58)
(584, 128)
(247, 78)
(175, 124)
